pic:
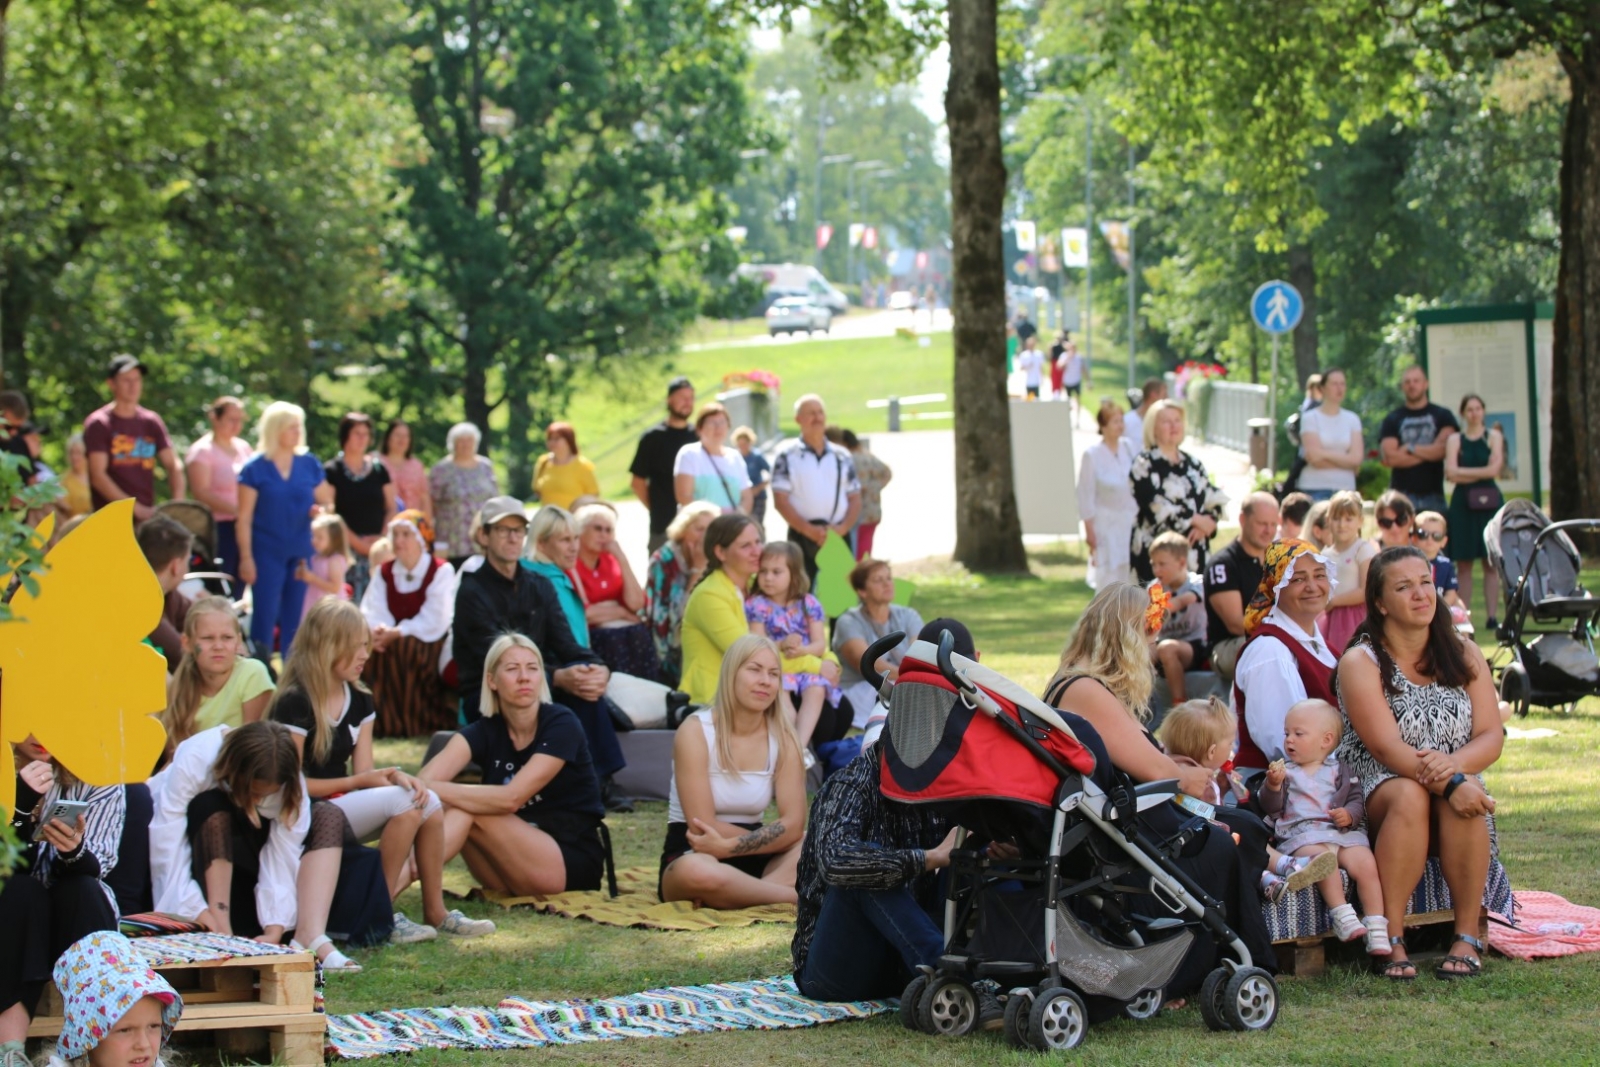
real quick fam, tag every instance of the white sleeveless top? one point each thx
(737, 800)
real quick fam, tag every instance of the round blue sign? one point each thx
(1277, 307)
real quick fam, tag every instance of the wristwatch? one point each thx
(1454, 783)
(1411, 449)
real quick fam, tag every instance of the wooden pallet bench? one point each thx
(1306, 957)
(246, 1006)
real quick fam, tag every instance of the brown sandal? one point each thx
(1396, 970)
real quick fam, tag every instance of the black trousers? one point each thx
(40, 923)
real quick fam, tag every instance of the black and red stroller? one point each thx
(1547, 636)
(1094, 917)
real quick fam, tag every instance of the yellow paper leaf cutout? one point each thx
(77, 674)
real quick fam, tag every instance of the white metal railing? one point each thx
(1227, 410)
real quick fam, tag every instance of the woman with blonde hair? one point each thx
(729, 762)
(1103, 683)
(323, 703)
(1172, 491)
(278, 488)
(535, 824)
(214, 685)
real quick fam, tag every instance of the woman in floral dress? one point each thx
(1173, 492)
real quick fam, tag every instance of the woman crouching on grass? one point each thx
(534, 825)
(728, 763)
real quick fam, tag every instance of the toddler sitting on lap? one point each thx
(1314, 804)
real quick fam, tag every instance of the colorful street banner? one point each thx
(1074, 247)
(1027, 235)
(1116, 235)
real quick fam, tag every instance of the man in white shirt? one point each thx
(814, 484)
(1133, 422)
(1031, 363)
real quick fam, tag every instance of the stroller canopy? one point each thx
(1509, 540)
(935, 748)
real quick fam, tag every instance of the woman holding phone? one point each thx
(58, 893)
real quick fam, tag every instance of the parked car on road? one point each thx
(797, 314)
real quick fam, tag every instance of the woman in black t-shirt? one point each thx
(323, 703)
(363, 495)
(533, 826)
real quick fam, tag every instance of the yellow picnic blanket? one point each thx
(637, 904)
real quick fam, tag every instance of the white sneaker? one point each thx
(1378, 935)
(1346, 927)
(407, 932)
(458, 925)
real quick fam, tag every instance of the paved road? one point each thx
(859, 324)
(919, 505)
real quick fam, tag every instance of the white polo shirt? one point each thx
(819, 485)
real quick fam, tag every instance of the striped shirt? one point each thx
(855, 838)
(102, 835)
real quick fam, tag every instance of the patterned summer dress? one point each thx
(780, 621)
(1430, 716)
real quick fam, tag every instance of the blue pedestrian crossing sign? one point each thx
(1277, 307)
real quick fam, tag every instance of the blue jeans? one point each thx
(278, 599)
(228, 552)
(1317, 495)
(867, 944)
(1430, 502)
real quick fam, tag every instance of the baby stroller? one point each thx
(1546, 654)
(205, 575)
(1094, 913)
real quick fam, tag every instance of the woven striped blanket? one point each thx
(1304, 914)
(768, 1004)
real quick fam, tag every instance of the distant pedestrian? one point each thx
(1031, 363)
(1154, 391)
(759, 470)
(1413, 446)
(653, 461)
(874, 475)
(126, 441)
(1073, 370)
(814, 484)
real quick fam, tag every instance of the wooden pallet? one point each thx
(1305, 957)
(247, 1005)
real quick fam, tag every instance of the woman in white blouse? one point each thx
(409, 604)
(1105, 499)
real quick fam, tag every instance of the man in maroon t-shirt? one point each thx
(125, 441)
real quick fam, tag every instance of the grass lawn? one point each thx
(1517, 1013)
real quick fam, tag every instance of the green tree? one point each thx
(565, 208)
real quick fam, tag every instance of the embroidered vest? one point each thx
(1314, 674)
(405, 606)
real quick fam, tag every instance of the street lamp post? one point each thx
(816, 212)
(850, 199)
(1132, 275)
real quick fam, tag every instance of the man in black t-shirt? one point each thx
(1232, 576)
(658, 451)
(1412, 447)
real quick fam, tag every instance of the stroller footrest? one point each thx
(1006, 969)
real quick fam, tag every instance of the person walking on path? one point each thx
(1473, 459)
(814, 484)
(1330, 438)
(126, 441)
(1413, 445)
(653, 461)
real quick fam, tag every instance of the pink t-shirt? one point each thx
(224, 464)
(410, 482)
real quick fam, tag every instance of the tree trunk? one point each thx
(1575, 364)
(519, 424)
(15, 309)
(1303, 276)
(475, 387)
(988, 529)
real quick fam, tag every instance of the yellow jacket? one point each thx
(713, 620)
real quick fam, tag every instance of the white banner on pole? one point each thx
(1027, 235)
(1074, 247)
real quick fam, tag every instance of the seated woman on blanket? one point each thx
(1424, 726)
(57, 891)
(728, 763)
(534, 825)
(234, 846)
(410, 604)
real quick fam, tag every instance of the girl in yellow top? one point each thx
(214, 685)
(714, 619)
(562, 475)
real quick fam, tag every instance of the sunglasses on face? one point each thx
(1389, 524)
(1424, 535)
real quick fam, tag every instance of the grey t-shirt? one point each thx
(854, 623)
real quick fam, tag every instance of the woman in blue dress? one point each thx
(279, 490)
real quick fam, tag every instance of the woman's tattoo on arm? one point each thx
(756, 840)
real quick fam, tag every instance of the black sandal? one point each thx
(1390, 968)
(1473, 965)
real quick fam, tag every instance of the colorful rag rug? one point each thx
(176, 950)
(768, 1004)
(638, 905)
(1547, 926)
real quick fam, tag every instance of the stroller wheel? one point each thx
(1146, 1005)
(1514, 688)
(949, 1007)
(1058, 1021)
(1250, 1000)
(910, 1000)
(1211, 999)
(1019, 1004)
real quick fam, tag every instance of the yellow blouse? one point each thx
(562, 483)
(713, 620)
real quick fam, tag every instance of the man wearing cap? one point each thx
(503, 596)
(125, 441)
(814, 484)
(657, 453)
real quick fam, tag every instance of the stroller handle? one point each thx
(875, 652)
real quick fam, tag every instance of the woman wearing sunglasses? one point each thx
(1396, 515)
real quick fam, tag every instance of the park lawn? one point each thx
(1516, 1013)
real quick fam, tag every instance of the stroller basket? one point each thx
(1109, 971)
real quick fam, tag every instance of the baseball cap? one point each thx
(958, 630)
(500, 507)
(680, 382)
(123, 362)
